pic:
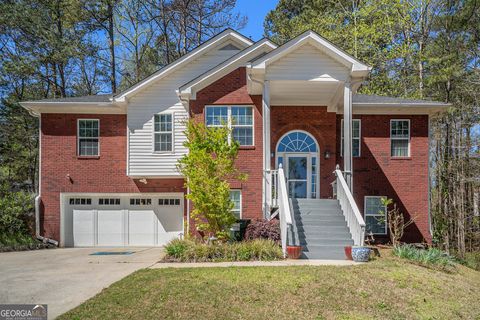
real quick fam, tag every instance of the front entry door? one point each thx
(298, 175)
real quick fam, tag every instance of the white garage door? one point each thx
(121, 220)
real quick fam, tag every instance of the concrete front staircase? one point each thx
(320, 228)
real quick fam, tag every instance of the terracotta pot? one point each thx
(348, 252)
(294, 252)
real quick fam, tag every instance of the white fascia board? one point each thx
(202, 49)
(190, 89)
(357, 67)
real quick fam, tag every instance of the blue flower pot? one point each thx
(360, 254)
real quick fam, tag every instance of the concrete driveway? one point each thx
(64, 278)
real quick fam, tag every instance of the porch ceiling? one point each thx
(311, 93)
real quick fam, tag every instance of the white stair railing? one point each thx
(354, 219)
(271, 189)
(285, 213)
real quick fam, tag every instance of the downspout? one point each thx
(187, 104)
(38, 198)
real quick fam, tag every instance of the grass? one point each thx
(190, 251)
(387, 288)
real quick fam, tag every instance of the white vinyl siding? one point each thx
(375, 215)
(238, 118)
(306, 63)
(88, 134)
(356, 137)
(161, 97)
(236, 198)
(163, 133)
(400, 138)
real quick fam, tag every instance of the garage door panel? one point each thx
(170, 219)
(110, 227)
(83, 228)
(141, 227)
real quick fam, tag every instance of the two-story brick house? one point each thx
(108, 172)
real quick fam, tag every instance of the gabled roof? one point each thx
(225, 67)
(356, 67)
(225, 35)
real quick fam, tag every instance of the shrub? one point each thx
(431, 257)
(472, 260)
(15, 211)
(263, 229)
(191, 251)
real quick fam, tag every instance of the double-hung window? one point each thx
(88, 137)
(236, 198)
(163, 132)
(238, 118)
(375, 215)
(356, 132)
(400, 138)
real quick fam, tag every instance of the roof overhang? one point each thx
(226, 35)
(35, 108)
(190, 89)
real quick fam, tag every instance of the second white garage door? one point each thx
(121, 220)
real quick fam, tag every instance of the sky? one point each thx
(255, 10)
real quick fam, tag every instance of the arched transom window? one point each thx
(297, 141)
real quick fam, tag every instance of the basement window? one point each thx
(375, 215)
(236, 198)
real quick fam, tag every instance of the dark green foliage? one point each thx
(191, 251)
(430, 257)
(16, 209)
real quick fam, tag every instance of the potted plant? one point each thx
(360, 253)
(294, 252)
(348, 252)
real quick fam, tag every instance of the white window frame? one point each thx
(353, 138)
(172, 133)
(375, 215)
(229, 121)
(240, 209)
(78, 137)
(397, 138)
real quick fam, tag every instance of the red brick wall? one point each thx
(106, 173)
(232, 90)
(320, 124)
(376, 173)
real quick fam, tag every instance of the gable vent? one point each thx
(229, 47)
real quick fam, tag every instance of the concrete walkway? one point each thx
(281, 263)
(64, 278)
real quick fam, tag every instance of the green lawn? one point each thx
(388, 288)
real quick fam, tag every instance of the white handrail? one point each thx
(354, 219)
(284, 208)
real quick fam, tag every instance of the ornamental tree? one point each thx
(208, 166)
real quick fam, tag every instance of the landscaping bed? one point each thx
(386, 288)
(251, 250)
(21, 242)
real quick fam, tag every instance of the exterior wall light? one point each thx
(327, 154)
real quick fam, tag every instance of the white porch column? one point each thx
(347, 134)
(267, 187)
